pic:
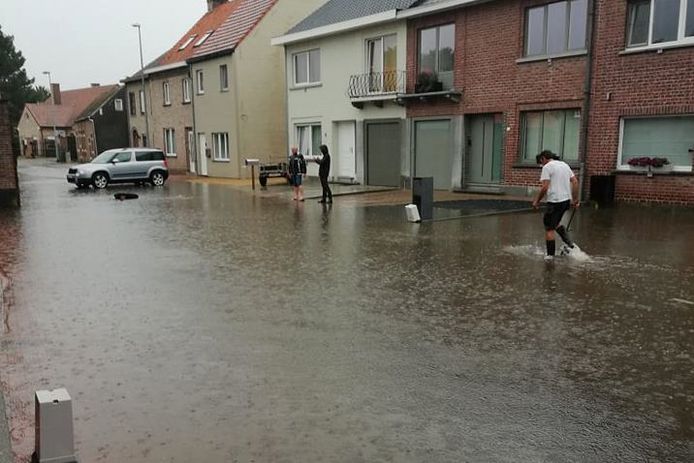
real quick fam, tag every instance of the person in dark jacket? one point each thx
(323, 173)
(297, 170)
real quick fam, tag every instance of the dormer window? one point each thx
(187, 42)
(202, 39)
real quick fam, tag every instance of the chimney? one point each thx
(55, 91)
(96, 84)
(212, 4)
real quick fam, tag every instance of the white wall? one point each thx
(342, 56)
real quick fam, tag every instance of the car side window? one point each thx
(143, 156)
(158, 156)
(122, 157)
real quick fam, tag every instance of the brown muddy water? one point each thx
(199, 323)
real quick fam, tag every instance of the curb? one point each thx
(5, 449)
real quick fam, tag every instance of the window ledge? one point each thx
(657, 48)
(186, 102)
(304, 87)
(682, 173)
(171, 155)
(224, 90)
(221, 160)
(568, 54)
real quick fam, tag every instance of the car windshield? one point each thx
(104, 158)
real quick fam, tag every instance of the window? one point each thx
(186, 90)
(557, 131)
(307, 67)
(652, 22)
(223, 78)
(143, 107)
(202, 39)
(437, 53)
(122, 157)
(118, 104)
(143, 156)
(132, 103)
(220, 146)
(200, 78)
(556, 28)
(662, 137)
(170, 142)
(187, 42)
(167, 94)
(309, 138)
(382, 62)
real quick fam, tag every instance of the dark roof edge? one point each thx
(216, 54)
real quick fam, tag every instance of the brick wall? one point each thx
(9, 189)
(639, 84)
(489, 41)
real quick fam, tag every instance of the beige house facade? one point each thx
(240, 111)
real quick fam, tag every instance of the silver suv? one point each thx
(124, 165)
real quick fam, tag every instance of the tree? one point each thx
(15, 86)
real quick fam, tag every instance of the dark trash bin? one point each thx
(602, 189)
(423, 196)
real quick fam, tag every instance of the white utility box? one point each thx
(412, 213)
(55, 442)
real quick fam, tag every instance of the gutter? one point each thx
(154, 70)
(587, 89)
(437, 7)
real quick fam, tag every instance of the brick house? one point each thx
(643, 98)
(87, 121)
(490, 84)
(9, 184)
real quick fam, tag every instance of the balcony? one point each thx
(376, 88)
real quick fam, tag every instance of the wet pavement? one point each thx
(201, 323)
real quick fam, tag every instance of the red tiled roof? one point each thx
(211, 21)
(73, 104)
(238, 25)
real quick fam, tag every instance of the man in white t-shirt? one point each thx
(561, 187)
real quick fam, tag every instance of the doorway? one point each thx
(484, 146)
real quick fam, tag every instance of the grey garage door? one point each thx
(433, 152)
(383, 147)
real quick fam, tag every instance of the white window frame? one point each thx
(170, 142)
(118, 105)
(367, 63)
(166, 89)
(200, 82)
(297, 136)
(621, 165)
(203, 39)
(143, 103)
(185, 83)
(187, 42)
(567, 50)
(308, 82)
(220, 146)
(529, 158)
(680, 41)
(223, 78)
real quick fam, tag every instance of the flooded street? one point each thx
(200, 323)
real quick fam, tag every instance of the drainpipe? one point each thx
(194, 148)
(587, 88)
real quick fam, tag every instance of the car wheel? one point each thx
(157, 178)
(100, 180)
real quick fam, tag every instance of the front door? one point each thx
(484, 149)
(202, 153)
(346, 157)
(383, 146)
(190, 150)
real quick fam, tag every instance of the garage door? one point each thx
(383, 148)
(433, 152)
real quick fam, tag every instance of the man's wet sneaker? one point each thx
(565, 250)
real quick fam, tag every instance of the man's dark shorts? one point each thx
(554, 213)
(296, 180)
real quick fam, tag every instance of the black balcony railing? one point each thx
(375, 84)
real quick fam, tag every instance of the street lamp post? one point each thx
(55, 129)
(144, 92)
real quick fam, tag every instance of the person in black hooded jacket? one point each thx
(323, 173)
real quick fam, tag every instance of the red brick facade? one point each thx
(639, 84)
(493, 78)
(9, 188)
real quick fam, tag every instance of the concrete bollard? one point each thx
(55, 442)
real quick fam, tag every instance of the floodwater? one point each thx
(200, 323)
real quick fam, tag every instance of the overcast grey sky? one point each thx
(85, 41)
